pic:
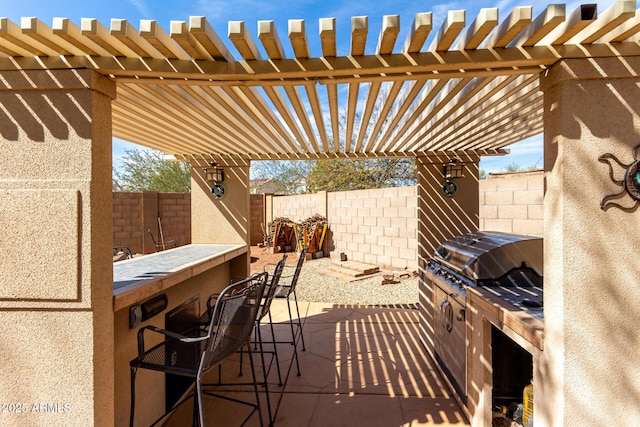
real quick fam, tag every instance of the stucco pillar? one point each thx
(56, 277)
(590, 372)
(224, 220)
(441, 217)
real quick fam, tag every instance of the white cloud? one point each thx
(142, 8)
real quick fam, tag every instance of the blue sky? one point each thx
(219, 12)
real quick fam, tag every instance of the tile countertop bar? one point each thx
(136, 279)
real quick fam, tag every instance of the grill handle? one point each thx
(446, 315)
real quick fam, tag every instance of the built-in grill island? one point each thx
(504, 272)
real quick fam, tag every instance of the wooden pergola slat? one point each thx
(359, 31)
(154, 34)
(328, 37)
(479, 29)
(206, 36)
(268, 35)
(547, 21)
(388, 34)
(471, 87)
(418, 33)
(452, 27)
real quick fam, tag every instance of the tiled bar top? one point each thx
(139, 278)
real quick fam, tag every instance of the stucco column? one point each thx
(223, 220)
(589, 374)
(441, 217)
(56, 277)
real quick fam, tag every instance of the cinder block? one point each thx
(512, 212)
(337, 256)
(499, 198)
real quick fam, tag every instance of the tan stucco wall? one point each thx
(591, 358)
(56, 277)
(439, 218)
(224, 220)
(233, 208)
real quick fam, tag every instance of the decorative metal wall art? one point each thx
(629, 184)
(449, 188)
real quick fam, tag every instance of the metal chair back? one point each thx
(273, 286)
(234, 316)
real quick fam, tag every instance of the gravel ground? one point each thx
(314, 285)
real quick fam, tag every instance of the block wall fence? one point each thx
(373, 226)
(380, 226)
(134, 213)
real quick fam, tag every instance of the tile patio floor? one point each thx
(363, 366)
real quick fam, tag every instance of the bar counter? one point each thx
(139, 278)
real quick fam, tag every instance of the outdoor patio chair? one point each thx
(162, 245)
(121, 253)
(258, 342)
(196, 352)
(265, 310)
(287, 289)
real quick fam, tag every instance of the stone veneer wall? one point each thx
(135, 212)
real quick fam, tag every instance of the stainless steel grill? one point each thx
(510, 266)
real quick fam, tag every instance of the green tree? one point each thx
(359, 174)
(146, 170)
(298, 176)
(482, 174)
(290, 175)
(513, 167)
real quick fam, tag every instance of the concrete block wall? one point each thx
(175, 214)
(257, 216)
(127, 217)
(379, 226)
(376, 226)
(300, 207)
(135, 212)
(513, 203)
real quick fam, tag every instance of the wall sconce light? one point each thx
(453, 169)
(215, 175)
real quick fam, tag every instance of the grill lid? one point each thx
(484, 255)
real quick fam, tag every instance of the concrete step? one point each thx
(345, 275)
(353, 268)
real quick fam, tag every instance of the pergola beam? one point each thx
(469, 79)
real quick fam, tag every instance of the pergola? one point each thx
(473, 88)
(466, 91)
